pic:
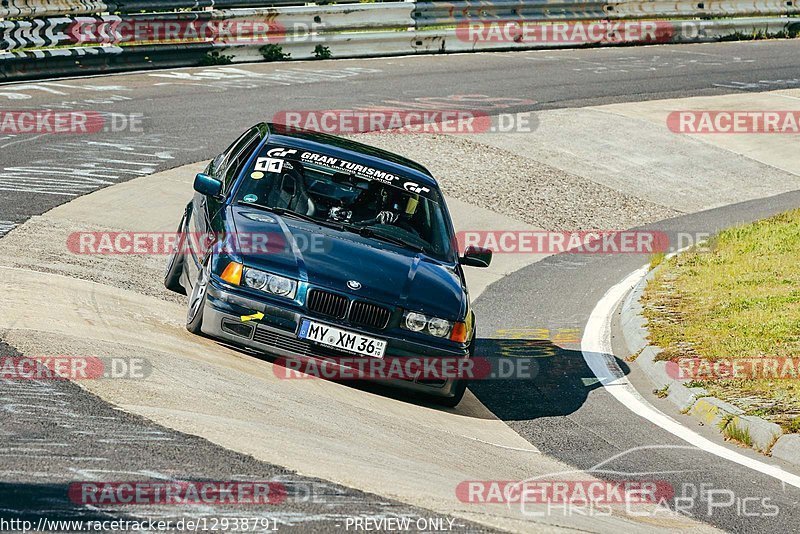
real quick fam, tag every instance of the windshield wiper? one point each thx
(289, 213)
(369, 232)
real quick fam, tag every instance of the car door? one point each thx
(203, 215)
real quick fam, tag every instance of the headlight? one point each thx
(280, 286)
(439, 327)
(417, 322)
(271, 283)
(256, 279)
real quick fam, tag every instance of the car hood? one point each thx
(328, 258)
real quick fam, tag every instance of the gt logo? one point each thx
(281, 152)
(413, 187)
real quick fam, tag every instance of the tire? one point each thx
(197, 301)
(174, 269)
(460, 388)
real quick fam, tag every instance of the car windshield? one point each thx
(332, 195)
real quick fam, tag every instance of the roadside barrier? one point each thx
(45, 39)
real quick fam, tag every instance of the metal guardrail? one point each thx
(438, 13)
(246, 23)
(41, 39)
(428, 14)
(51, 8)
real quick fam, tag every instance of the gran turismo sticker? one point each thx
(363, 171)
(275, 162)
(250, 198)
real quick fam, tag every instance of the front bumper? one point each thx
(276, 334)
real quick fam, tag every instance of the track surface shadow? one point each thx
(551, 380)
(529, 378)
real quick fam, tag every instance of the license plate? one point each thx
(341, 339)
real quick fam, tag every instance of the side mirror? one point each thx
(207, 185)
(476, 257)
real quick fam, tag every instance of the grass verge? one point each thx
(738, 297)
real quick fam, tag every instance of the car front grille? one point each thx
(371, 315)
(360, 313)
(329, 304)
(281, 341)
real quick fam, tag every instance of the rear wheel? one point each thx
(174, 269)
(197, 301)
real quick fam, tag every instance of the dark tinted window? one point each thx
(357, 203)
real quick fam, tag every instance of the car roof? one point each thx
(346, 149)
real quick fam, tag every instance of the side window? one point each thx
(219, 167)
(236, 166)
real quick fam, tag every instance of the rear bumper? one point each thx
(276, 334)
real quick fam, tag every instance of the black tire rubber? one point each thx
(174, 270)
(460, 386)
(451, 402)
(197, 301)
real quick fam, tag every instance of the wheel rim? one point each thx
(198, 295)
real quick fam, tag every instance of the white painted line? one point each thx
(597, 351)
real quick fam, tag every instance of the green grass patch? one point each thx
(657, 259)
(733, 432)
(738, 297)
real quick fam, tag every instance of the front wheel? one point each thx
(174, 270)
(460, 388)
(197, 301)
